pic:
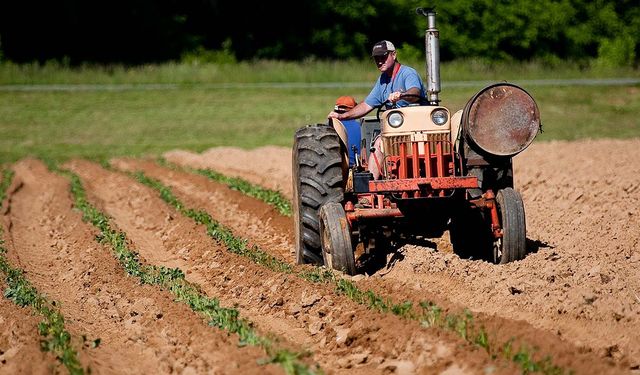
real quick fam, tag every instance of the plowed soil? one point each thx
(574, 298)
(20, 342)
(580, 283)
(142, 330)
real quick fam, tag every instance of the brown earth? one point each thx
(575, 298)
(142, 330)
(19, 339)
(342, 335)
(580, 283)
(20, 343)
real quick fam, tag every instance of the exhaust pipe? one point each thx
(432, 47)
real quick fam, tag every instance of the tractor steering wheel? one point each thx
(382, 107)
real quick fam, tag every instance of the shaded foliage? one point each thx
(546, 29)
(139, 31)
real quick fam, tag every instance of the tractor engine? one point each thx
(417, 143)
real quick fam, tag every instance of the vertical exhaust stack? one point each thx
(432, 47)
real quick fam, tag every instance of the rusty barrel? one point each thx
(502, 119)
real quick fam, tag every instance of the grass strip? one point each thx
(57, 339)
(271, 197)
(173, 279)
(427, 313)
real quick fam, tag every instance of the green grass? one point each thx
(92, 124)
(55, 338)
(280, 71)
(101, 124)
(194, 115)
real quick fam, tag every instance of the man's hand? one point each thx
(394, 97)
(412, 95)
(356, 112)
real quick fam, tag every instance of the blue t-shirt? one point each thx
(406, 78)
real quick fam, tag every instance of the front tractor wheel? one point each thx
(335, 237)
(512, 245)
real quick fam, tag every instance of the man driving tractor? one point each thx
(398, 85)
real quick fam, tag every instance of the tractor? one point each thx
(439, 171)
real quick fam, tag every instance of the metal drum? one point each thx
(501, 119)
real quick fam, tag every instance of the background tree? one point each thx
(142, 31)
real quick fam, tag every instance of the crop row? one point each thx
(426, 313)
(56, 338)
(271, 197)
(173, 280)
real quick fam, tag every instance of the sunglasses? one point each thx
(381, 58)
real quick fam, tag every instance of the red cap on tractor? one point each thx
(345, 103)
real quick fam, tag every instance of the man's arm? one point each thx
(356, 112)
(398, 95)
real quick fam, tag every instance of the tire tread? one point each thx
(317, 180)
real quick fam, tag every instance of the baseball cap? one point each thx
(345, 103)
(382, 47)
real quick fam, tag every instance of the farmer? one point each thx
(344, 104)
(395, 81)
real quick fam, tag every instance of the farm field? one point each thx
(145, 227)
(171, 271)
(581, 281)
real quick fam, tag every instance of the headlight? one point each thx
(395, 119)
(439, 117)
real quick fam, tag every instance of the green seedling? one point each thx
(56, 339)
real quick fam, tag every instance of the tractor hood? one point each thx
(415, 119)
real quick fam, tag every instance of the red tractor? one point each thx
(439, 171)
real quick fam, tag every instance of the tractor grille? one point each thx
(419, 155)
(392, 144)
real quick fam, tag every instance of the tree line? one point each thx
(144, 31)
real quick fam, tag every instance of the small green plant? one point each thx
(528, 365)
(431, 314)
(402, 309)
(56, 339)
(482, 340)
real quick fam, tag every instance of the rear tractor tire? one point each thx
(335, 237)
(318, 179)
(513, 244)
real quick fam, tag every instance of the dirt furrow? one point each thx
(20, 342)
(141, 329)
(19, 338)
(267, 166)
(342, 335)
(251, 218)
(581, 283)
